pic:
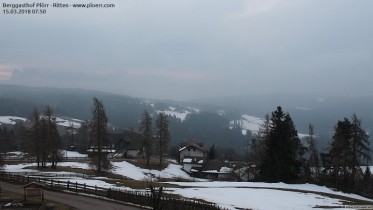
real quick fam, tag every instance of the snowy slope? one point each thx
(180, 114)
(256, 195)
(252, 124)
(11, 120)
(248, 122)
(66, 122)
(230, 195)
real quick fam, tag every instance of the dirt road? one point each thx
(76, 201)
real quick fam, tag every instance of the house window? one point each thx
(194, 149)
(189, 149)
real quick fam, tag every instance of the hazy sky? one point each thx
(182, 49)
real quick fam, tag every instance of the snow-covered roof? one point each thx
(182, 148)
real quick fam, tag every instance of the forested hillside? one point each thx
(199, 120)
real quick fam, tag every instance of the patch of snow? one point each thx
(179, 115)
(226, 169)
(11, 120)
(19, 167)
(74, 165)
(221, 112)
(187, 160)
(173, 112)
(233, 195)
(280, 185)
(248, 122)
(194, 109)
(72, 154)
(182, 148)
(75, 123)
(251, 123)
(148, 103)
(258, 199)
(131, 171)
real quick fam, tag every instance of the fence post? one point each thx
(68, 183)
(95, 189)
(51, 183)
(76, 186)
(84, 188)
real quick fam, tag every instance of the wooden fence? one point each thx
(30, 159)
(142, 198)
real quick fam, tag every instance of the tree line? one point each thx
(280, 156)
(154, 140)
(40, 138)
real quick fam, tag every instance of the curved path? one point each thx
(74, 200)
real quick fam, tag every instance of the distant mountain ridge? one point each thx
(222, 121)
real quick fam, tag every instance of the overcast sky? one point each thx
(183, 49)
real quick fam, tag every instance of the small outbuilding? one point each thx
(34, 190)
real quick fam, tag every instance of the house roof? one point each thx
(34, 185)
(131, 140)
(193, 145)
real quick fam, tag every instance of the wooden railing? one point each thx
(143, 198)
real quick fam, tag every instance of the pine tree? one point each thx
(147, 134)
(33, 137)
(212, 152)
(283, 158)
(53, 138)
(359, 145)
(163, 135)
(81, 143)
(98, 137)
(5, 142)
(340, 154)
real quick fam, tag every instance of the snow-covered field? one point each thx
(180, 114)
(75, 123)
(230, 195)
(257, 195)
(10, 120)
(252, 124)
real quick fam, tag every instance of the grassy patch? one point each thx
(18, 198)
(64, 169)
